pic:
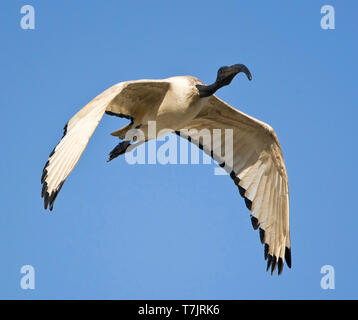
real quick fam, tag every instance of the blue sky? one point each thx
(176, 231)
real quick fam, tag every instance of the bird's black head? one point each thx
(226, 74)
(224, 77)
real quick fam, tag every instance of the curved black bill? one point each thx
(242, 68)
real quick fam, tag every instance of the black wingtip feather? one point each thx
(273, 266)
(44, 189)
(288, 257)
(52, 153)
(234, 177)
(269, 261)
(248, 203)
(242, 191)
(49, 200)
(46, 198)
(65, 130)
(266, 250)
(262, 235)
(254, 221)
(44, 175)
(280, 265)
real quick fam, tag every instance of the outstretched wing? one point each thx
(254, 160)
(127, 99)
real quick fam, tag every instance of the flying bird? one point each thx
(182, 104)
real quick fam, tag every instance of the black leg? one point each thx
(118, 150)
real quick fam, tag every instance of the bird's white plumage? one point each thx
(257, 165)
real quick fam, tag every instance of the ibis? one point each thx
(182, 104)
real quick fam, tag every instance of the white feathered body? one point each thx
(179, 106)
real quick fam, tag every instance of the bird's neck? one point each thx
(206, 91)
